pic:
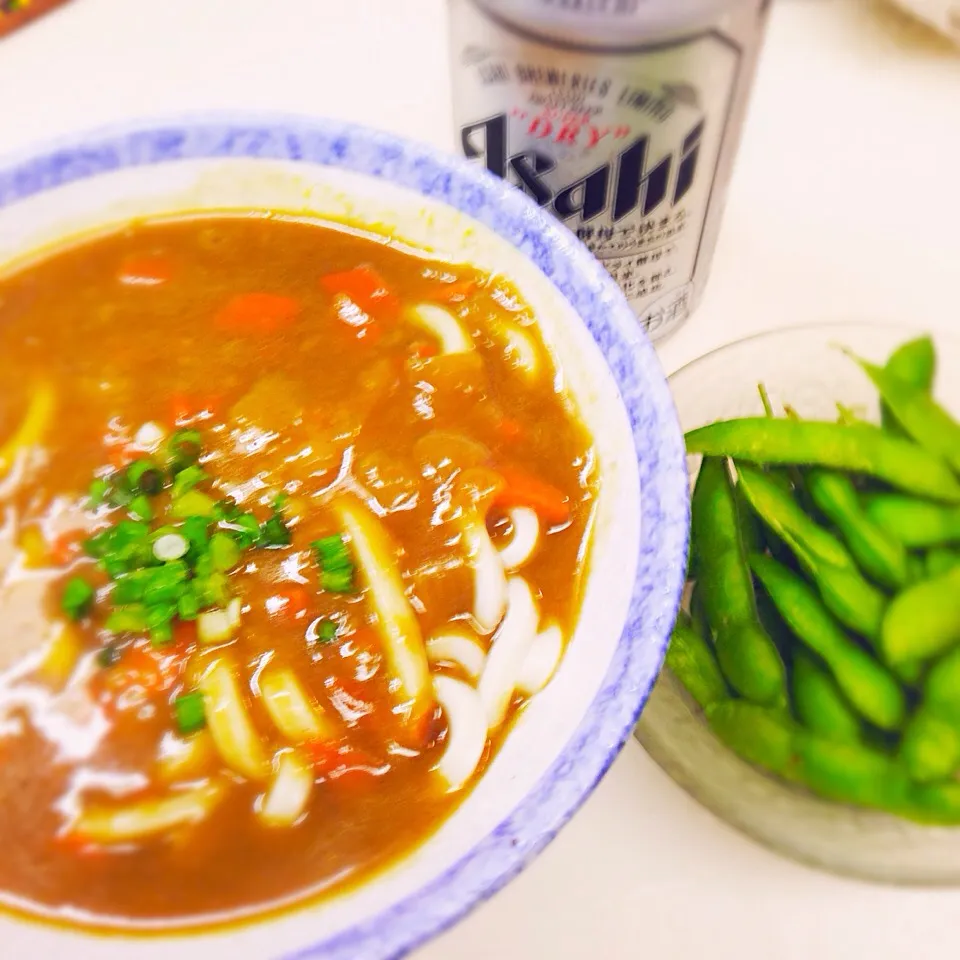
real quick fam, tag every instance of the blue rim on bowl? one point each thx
(658, 442)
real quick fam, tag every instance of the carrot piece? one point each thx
(523, 490)
(66, 547)
(423, 349)
(146, 270)
(257, 313)
(295, 601)
(366, 288)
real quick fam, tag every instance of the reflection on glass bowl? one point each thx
(801, 366)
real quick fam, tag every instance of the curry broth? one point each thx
(129, 329)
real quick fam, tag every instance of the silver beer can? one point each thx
(621, 117)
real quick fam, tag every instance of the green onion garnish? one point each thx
(224, 552)
(77, 598)
(140, 508)
(274, 532)
(189, 712)
(194, 503)
(183, 449)
(188, 603)
(187, 479)
(99, 488)
(327, 631)
(132, 619)
(337, 581)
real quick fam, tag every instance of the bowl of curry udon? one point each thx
(344, 523)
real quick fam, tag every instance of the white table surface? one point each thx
(845, 203)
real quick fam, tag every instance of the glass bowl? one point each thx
(801, 366)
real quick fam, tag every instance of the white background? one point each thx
(845, 204)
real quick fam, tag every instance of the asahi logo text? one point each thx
(632, 181)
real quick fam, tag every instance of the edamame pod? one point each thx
(930, 748)
(914, 361)
(880, 555)
(923, 620)
(939, 560)
(917, 412)
(747, 656)
(850, 773)
(693, 663)
(915, 523)
(858, 447)
(853, 601)
(867, 685)
(934, 803)
(941, 688)
(819, 704)
(760, 735)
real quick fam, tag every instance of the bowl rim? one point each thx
(658, 444)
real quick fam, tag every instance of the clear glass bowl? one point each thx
(801, 366)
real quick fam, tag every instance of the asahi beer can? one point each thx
(622, 117)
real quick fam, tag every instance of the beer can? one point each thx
(622, 117)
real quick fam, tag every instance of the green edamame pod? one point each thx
(923, 620)
(760, 735)
(857, 447)
(914, 361)
(850, 773)
(915, 523)
(747, 656)
(939, 560)
(880, 555)
(852, 600)
(937, 803)
(698, 616)
(819, 704)
(941, 688)
(693, 663)
(930, 748)
(751, 536)
(917, 412)
(867, 685)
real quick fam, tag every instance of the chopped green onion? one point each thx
(196, 530)
(144, 477)
(327, 631)
(132, 619)
(194, 503)
(244, 529)
(120, 493)
(337, 581)
(187, 479)
(166, 583)
(99, 488)
(227, 509)
(224, 552)
(160, 623)
(171, 546)
(129, 587)
(274, 532)
(333, 553)
(203, 568)
(97, 545)
(139, 508)
(188, 604)
(77, 598)
(183, 449)
(213, 590)
(189, 711)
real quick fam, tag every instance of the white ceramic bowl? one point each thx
(803, 367)
(566, 739)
